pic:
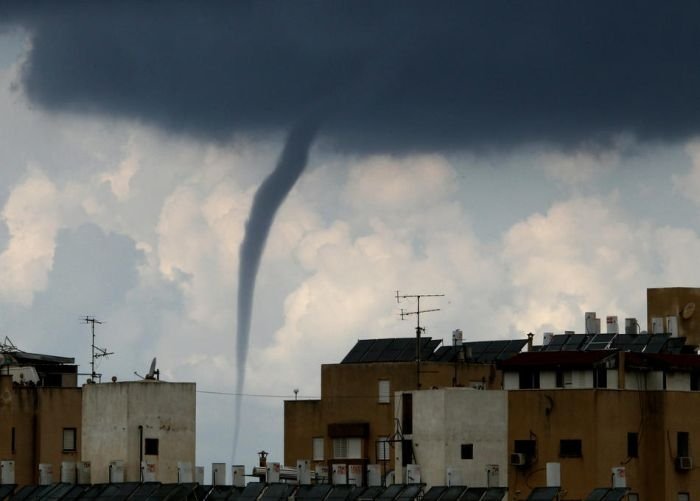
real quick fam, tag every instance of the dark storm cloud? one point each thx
(444, 74)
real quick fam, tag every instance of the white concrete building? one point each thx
(462, 431)
(143, 422)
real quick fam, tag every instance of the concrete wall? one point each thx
(445, 419)
(38, 416)
(112, 414)
(602, 419)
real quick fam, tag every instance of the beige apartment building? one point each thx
(143, 428)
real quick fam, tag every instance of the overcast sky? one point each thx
(115, 204)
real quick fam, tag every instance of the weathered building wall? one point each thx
(38, 417)
(113, 413)
(445, 420)
(602, 420)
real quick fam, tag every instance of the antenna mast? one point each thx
(101, 352)
(419, 329)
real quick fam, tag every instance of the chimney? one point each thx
(529, 341)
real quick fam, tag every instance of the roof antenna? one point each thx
(419, 329)
(96, 351)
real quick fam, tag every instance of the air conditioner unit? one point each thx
(518, 459)
(684, 463)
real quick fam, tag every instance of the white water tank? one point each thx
(657, 325)
(492, 475)
(374, 475)
(339, 474)
(457, 337)
(630, 325)
(672, 326)
(84, 477)
(612, 326)
(413, 474)
(272, 473)
(355, 474)
(618, 477)
(590, 322)
(238, 471)
(553, 474)
(185, 474)
(45, 473)
(116, 471)
(199, 475)
(7, 472)
(303, 471)
(218, 474)
(68, 472)
(321, 472)
(454, 476)
(149, 471)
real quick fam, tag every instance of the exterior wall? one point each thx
(445, 419)
(350, 394)
(669, 301)
(511, 381)
(678, 381)
(38, 416)
(601, 419)
(113, 413)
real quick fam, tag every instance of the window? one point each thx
(347, 448)
(69, 439)
(570, 448)
(527, 447)
(317, 446)
(529, 379)
(407, 413)
(150, 447)
(683, 496)
(467, 451)
(384, 391)
(12, 440)
(695, 381)
(382, 449)
(600, 377)
(563, 378)
(682, 448)
(632, 445)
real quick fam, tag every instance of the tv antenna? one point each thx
(419, 329)
(97, 352)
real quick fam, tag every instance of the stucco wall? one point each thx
(444, 420)
(112, 414)
(38, 416)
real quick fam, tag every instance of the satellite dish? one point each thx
(152, 371)
(688, 311)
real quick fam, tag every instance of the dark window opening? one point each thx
(600, 377)
(151, 447)
(632, 445)
(407, 413)
(560, 379)
(70, 439)
(467, 451)
(695, 381)
(527, 447)
(682, 441)
(570, 448)
(529, 379)
(406, 452)
(53, 380)
(12, 440)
